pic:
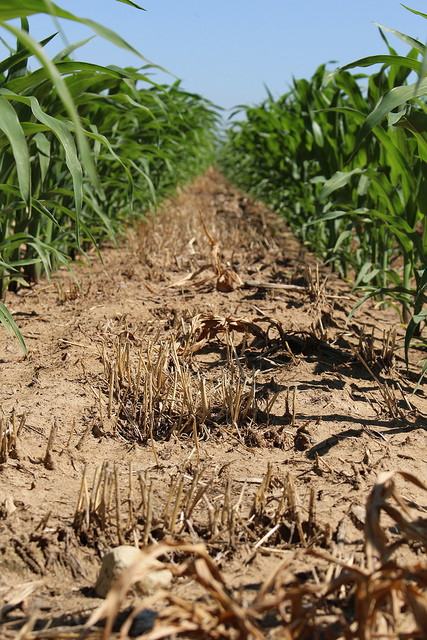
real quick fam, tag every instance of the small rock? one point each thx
(116, 561)
(358, 515)
(7, 507)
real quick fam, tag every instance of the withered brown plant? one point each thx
(383, 599)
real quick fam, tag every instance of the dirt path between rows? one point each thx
(205, 363)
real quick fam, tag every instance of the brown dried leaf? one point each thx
(14, 596)
(418, 603)
(189, 278)
(228, 280)
(205, 327)
(376, 539)
(214, 247)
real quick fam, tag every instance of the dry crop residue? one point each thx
(202, 392)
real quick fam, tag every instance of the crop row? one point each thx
(343, 157)
(85, 149)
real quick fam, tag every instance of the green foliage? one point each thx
(344, 158)
(85, 149)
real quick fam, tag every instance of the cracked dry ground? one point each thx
(211, 343)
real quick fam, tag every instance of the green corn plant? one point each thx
(17, 202)
(85, 150)
(395, 211)
(285, 150)
(343, 158)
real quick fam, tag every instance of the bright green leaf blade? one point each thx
(11, 126)
(23, 8)
(69, 50)
(21, 55)
(391, 100)
(132, 4)
(417, 13)
(43, 147)
(29, 7)
(423, 372)
(11, 327)
(416, 44)
(381, 59)
(414, 322)
(423, 70)
(113, 37)
(65, 96)
(60, 130)
(338, 180)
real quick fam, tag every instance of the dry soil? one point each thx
(217, 287)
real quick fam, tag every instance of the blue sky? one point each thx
(227, 49)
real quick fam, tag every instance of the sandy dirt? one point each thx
(218, 289)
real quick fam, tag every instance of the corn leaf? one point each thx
(412, 42)
(31, 7)
(65, 96)
(132, 4)
(386, 59)
(11, 126)
(391, 100)
(17, 57)
(338, 180)
(63, 134)
(7, 320)
(417, 13)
